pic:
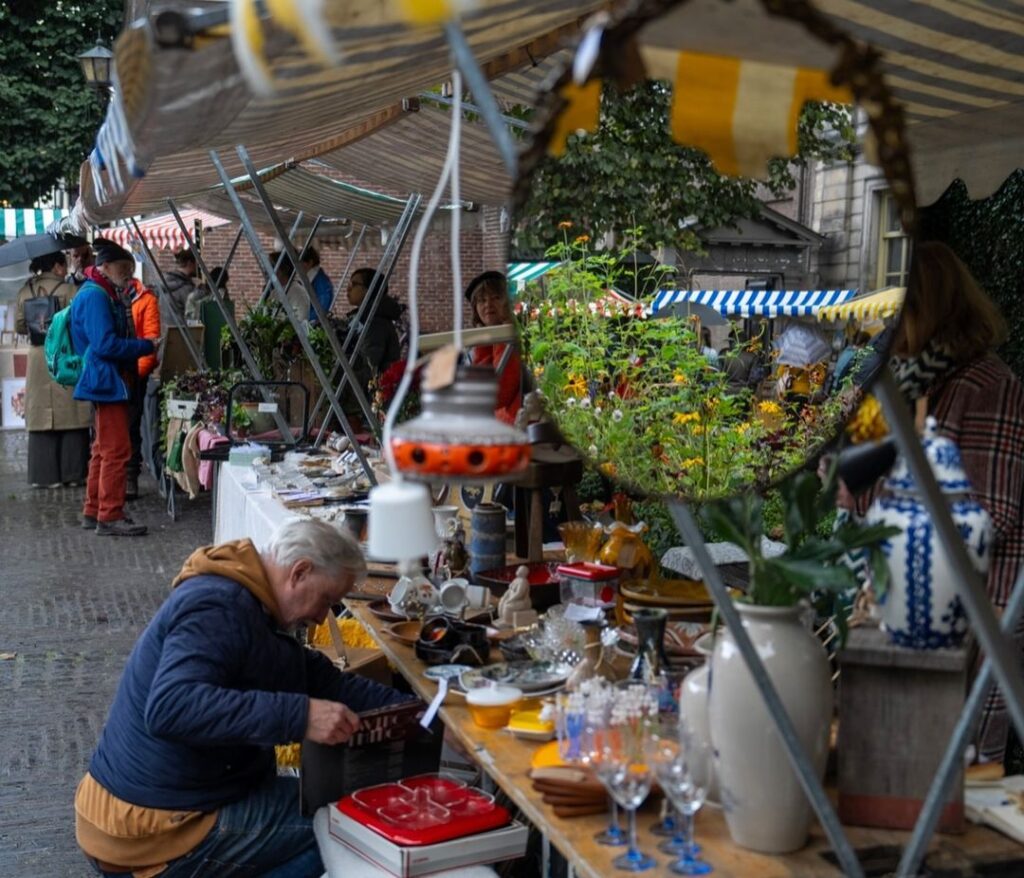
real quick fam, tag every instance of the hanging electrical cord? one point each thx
(450, 161)
(456, 137)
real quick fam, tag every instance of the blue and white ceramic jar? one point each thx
(921, 609)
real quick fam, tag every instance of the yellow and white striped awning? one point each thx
(871, 306)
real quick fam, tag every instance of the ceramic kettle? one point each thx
(921, 609)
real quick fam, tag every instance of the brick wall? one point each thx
(483, 248)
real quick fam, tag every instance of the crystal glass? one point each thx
(683, 769)
(627, 776)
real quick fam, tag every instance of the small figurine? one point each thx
(530, 411)
(516, 599)
(456, 558)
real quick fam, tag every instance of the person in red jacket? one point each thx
(488, 297)
(146, 319)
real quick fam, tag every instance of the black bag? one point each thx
(39, 312)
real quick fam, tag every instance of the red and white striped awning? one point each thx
(162, 232)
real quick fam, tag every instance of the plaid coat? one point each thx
(980, 407)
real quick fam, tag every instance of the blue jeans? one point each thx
(260, 835)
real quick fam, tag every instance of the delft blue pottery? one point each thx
(921, 609)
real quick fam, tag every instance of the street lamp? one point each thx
(97, 65)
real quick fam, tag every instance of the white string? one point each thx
(456, 136)
(414, 317)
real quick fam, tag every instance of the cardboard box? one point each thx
(507, 843)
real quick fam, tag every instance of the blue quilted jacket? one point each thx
(210, 687)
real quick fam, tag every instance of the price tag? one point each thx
(440, 371)
(269, 408)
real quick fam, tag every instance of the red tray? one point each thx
(426, 809)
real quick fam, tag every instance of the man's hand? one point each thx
(330, 722)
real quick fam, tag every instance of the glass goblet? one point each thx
(685, 778)
(628, 780)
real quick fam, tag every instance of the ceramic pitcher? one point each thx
(487, 544)
(921, 609)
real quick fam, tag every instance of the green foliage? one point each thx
(812, 563)
(631, 173)
(988, 234)
(50, 115)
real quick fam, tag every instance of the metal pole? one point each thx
(176, 318)
(951, 759)
(970, 587)
(805, 772)
(236, 334)
(280, 258)
(475, 82)
(318, 309)
(353, 250)
(381, 276)
(296, 320)
(372, 299)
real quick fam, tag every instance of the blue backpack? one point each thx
(64, 365)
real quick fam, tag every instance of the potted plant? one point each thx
(765, 806)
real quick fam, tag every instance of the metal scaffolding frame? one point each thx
(268, 286)
(995, 642)
(232, 325)
(279, 290)
(369, 305)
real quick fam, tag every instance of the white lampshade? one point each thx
(401, 525)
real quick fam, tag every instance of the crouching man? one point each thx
(183, 782)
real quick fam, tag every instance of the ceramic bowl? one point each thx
(491, 707)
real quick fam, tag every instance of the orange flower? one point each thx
(565, 224)
(581, 239)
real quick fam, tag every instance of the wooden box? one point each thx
(897, 711)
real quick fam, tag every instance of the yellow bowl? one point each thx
(491, 708)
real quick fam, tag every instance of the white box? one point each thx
(507, 843)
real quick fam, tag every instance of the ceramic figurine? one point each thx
(921, 609)
(452, 561)
(516, 599)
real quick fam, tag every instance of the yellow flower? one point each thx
(538, 371)
(682, 418)
(609, 469)
(691, 462)
(697, 430)
(770, 407)
(868, 422)
(743, 428)
(565, 224)
(581, 239)
(577, 385)
(680, 378)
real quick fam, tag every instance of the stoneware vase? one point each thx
(693, 704)
(765, 806)
(487, 543)
(921, 609)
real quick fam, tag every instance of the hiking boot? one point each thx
(88, 522)
(123, 527)
(131, 490)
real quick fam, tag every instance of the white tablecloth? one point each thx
(340, 862)
(244, 509)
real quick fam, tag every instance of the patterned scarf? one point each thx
(916, 376)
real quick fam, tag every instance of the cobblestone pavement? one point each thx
(71, 606)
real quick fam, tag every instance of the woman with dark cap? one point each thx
(488, 298)
(380, 346)
(101, 332)
(58, 427)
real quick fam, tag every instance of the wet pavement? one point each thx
(71, 606)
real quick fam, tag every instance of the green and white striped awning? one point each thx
(520, 273)
(20, 221)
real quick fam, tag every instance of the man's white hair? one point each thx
(329, 549)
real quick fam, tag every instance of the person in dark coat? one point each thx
(380, 348)
(102, 334)
(183, 780)
(179, 285)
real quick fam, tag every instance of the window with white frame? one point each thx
(893, 251)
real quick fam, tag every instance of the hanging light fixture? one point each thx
(457, 437)
(97, 66)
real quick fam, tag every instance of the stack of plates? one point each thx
(685, 600)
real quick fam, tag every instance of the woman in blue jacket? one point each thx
(101, 332)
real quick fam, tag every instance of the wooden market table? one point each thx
(506, 760)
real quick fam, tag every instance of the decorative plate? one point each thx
(528, 676)
(667, 592)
